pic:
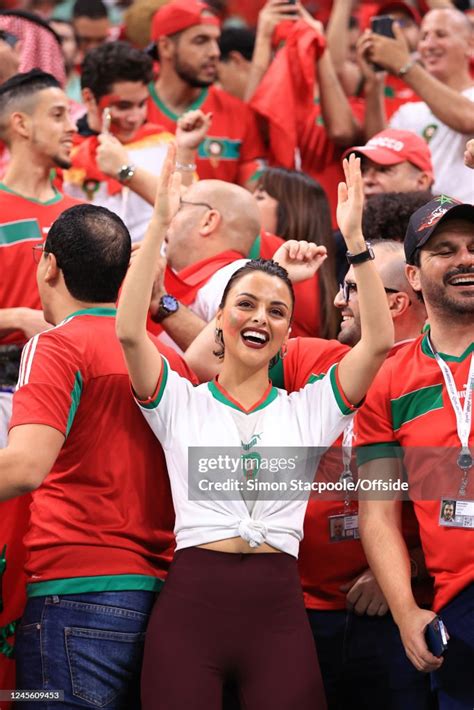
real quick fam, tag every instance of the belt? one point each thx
(10, 356)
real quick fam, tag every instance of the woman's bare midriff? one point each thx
(237, 545)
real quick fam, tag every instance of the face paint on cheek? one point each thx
(108, 101)
(233, 323)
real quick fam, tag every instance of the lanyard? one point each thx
(463, 414)
(346, 475)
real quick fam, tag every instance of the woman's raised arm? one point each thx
(359, 367)
(142, 357)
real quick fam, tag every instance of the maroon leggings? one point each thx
(231, 616)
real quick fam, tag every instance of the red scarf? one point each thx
(186, 285)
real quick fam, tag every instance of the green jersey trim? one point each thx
(57, 196)
(106, 312)
(381, 450)
(153, 401)
(415, 404)
(106, 583)
(449, 358)
(219, 393)
(76, 393)
(164, 109)
(345, 406)
(255, 250)
(24, 230)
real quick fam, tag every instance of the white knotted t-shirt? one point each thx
(183, 416)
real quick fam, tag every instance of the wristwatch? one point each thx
(167, 306)
(362, 256)
(126, 173)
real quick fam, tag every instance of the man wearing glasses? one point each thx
(407, 311)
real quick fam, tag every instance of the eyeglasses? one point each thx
(349, 287)
(38, 250)
(194, 204)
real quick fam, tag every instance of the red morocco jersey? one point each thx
(23, 223)
(103, 517)
(325, 566)
(408, 406)
(233, 149)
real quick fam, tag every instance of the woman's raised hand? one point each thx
(168, 190)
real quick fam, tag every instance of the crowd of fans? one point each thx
(267, 190)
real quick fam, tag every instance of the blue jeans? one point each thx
(88, 645)
(454, 682)
(364, 665)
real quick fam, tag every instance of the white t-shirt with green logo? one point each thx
(183, 417)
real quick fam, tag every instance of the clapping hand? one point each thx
(301, 259)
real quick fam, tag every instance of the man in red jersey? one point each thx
(186, 35)
(36, 127)
(101, 520)
(422, 397)
(362, 659)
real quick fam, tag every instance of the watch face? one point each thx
(169, 303)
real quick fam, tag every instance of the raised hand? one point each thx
(301, 259)
(192, 128)
(110, 155)
(274, 12)
(350, 202)
(168, 190)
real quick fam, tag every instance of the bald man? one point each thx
(408, 312)
(208, 239)
(445, 115)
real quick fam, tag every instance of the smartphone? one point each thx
(436, 637)
(381, 25)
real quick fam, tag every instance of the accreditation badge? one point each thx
(456, 513)
(344, 526)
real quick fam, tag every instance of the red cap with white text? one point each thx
(391, 147)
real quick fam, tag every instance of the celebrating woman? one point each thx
(232, 605)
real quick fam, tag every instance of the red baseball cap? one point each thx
(178, 15)
(399, 6)
(391, 147)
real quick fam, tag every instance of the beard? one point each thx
(64, 163)
(350, 335)
(190, 75)
(444, 303)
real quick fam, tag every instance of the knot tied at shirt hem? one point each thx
(252, 531)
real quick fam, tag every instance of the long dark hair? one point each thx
(303, 213)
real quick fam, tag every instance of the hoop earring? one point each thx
(219, 341)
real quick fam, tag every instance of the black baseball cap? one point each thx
(427, 218)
